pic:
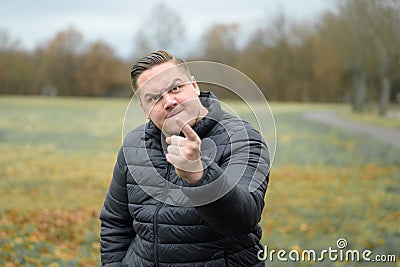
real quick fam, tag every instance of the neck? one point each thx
(202, 113)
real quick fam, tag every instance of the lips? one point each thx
(174, 112)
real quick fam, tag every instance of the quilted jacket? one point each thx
(152, 217)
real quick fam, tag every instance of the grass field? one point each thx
(57, 155)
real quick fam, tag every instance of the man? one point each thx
(188, 187)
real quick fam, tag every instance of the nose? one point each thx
(169, 101)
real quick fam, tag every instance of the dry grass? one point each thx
(57, 155)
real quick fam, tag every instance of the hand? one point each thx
(184, 153)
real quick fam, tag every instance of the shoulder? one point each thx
(131, 143)
(134, 137)
(236, 126)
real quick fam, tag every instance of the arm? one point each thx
(116, 231)
(238, 211)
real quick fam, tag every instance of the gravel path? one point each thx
(389, 136)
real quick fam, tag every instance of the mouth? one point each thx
(173, 113)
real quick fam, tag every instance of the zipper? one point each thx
(155, 218)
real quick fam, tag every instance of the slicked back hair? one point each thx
(153, 59)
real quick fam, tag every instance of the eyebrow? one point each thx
(166, 89)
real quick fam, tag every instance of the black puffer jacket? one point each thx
(152, 217)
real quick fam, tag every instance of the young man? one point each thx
(188, 187)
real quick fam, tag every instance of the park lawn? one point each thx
(57, 155)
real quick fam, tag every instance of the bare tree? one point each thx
(16, 67)
(349, 32)
(162, 30)
(366, 36)
(6, 42)
(62, 61)
(385, 23)
(220, 43)
(102, 72)
(278, 39)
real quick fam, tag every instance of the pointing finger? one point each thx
(189, 133)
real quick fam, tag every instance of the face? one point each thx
(166, 94)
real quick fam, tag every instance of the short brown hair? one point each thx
(152, 59)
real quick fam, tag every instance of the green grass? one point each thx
(57, 156)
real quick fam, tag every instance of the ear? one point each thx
(144, 111)
(141, 104)
(195, 85)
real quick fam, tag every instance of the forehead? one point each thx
(160, 78)
(163, 72)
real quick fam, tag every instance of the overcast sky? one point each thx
(116, 22)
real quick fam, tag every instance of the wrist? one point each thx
(191, 176)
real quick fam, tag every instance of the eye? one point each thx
(156, 98)
(152, 99)
(176, 87)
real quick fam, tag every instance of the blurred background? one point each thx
(324, 51)
(329, 69)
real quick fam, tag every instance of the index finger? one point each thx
(189, 133)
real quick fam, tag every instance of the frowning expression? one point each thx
(166, 93)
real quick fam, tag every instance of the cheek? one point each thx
(155, 114)
(191, 103)
(185, 100)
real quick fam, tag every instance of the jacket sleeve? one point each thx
(246, 164)
(116, 231)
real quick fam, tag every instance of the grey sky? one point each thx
(116, 22)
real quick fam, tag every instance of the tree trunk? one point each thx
(385, 95)
(360, 88)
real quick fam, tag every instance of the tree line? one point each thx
(66, 65)
(349, 54)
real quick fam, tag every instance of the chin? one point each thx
(169, 129)
(170, 132)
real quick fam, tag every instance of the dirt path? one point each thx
(389, 136)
